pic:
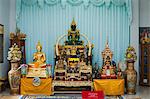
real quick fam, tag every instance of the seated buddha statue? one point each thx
(39, 57)
(82, 63)
(73, 35)
(60, 64)
(73, 51)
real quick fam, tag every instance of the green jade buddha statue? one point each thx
(73, 35)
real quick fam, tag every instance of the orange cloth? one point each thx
(110, 86)
(36, 64)
(27, 88)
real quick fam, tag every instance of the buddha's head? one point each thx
(39, 47)
(73, 25)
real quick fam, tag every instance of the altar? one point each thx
(36, 76)
(58, 46)
(73, 63)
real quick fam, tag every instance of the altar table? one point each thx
(27, 87)
(109, 86)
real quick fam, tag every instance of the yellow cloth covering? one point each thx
(27, 88)
(110, 86)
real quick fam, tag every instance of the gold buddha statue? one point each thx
(39, 57)
(60, 64)
(73, 51)
(38, 67)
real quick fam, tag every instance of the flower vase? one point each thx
(14, 78)
(131, 78)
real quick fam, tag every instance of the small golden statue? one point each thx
(39, 57)
(38, 67)
(60, 64)
(73, 50)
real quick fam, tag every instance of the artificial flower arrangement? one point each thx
(17, 35)
(14, 53)
(130, 54)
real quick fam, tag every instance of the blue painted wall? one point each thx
(4, 19)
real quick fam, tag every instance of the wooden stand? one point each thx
(144, 64)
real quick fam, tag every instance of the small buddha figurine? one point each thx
(39, 57)
(68, 52)
(95, 70)
(119, 73)
(65, 63)
(60, 64)
(73, 51)
(112, 70)
(82, 63)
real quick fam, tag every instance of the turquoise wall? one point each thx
(46, 22)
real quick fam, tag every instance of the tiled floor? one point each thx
(142, 92)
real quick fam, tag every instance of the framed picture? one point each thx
(1, 42)
(144, 34)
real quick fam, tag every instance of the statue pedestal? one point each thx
(71, 86)
(36, 72)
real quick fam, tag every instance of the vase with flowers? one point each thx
(130, 72)
(14, 56)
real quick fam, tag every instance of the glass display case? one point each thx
(144, 56)
(145, 64)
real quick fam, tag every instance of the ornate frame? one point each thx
(1, 43)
